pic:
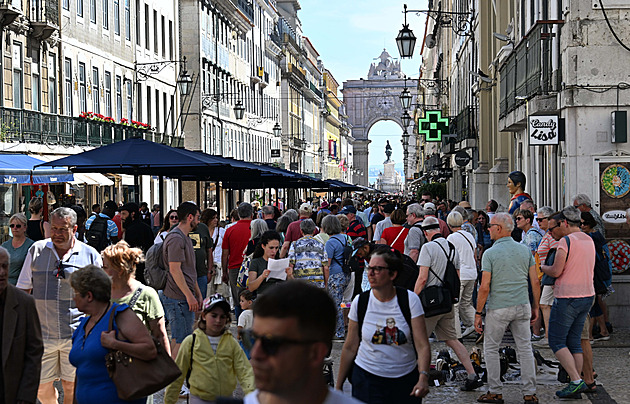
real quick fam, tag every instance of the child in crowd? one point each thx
(210, 359)
(246, 319)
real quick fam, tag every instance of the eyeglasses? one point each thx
(518, 219)
(17, 226)
(173, 217)
(553, 227)
(268, 343)
(540, 219)
(376, 269)
(582, 224)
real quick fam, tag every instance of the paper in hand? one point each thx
(278, 268)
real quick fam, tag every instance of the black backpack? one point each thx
(602, 271)
(408, 276)
(346, 266)
(451, 278)
(96, 235)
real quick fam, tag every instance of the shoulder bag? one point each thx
(136, 378)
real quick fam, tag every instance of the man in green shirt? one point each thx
(506, 267)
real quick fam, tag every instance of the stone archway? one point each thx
(373, 100)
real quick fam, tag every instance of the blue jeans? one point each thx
(180, 319)
(202, 281)
(566, 322)
(336, 285)
(373, 389)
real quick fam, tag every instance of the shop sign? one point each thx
(275, 152)
(614, 216)
(433, 126)
(462, 158)
(542, 129)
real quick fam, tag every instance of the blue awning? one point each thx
(19, 169)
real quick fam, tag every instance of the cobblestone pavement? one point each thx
(610, 362)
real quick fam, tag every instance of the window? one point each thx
(170, 39)
(163, 38)
(149, 121)
(129, 98)
(138, 22)
(80, 8)
(66, 4)
(82, 95)
(67, 68)
(96, 99)
(139, 99)
(146, 26)
(166, 115)
(157, 110)
(155, 32)
(116, 17)
(172, 114)
(52, 83)
(118, 98)
(127, 21)
(17, 75)
(35, 81)
(105, 14)
(93, 11)
(108, 94)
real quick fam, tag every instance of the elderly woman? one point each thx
(17, 246)
(36, 228)
(337, 278)
(119, 261)
(92, 339)
(258, 227)
(466, 247)
(387, 339)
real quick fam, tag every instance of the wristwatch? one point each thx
(424, 372)
(479, 313)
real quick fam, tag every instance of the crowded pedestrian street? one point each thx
(314, 201)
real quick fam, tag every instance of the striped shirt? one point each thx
(53, 294)
(546, 244)
(112, 229)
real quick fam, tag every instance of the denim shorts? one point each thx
(180, 319)
(566, 321)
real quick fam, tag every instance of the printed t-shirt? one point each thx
(576, 279)
(386, 351)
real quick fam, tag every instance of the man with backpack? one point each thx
(415, 238)
(506, 268)
(437, 257)
(101, 230)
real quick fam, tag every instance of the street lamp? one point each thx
(405, 40)
(239, 110)
(406, 119)
(405, 97)
(277, 130)
(183, 82)
(405, 140)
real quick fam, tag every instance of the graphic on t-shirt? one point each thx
(196, 240)
(389, 335)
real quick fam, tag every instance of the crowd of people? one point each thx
(358, 271)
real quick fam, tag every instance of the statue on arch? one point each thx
(388, 151)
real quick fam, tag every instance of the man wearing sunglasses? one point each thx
(294, 324)
(46, 272)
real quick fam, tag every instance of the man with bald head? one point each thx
(20, 369)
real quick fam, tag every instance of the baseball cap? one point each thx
(429, 205)
(306, 207)
(358, 243)
(216, 300)
(348, 209)
(324, 205)
(338, 200)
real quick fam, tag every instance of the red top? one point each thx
(235, 241)
(390, 234)
(294, 233)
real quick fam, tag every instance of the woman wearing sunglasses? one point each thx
(170, 220)
(386, 358)
(17, 246)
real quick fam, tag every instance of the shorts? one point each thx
(443, 325)
(55, 362)
(349, 291)
(180, 319)
(546, 296)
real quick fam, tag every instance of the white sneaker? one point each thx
(468, 331)
(543, 343)
(184, 392)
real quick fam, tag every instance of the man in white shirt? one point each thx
(292, 334)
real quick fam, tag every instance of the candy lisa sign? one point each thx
(543, 130)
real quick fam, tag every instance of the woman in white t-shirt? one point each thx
(384, 363)
(466, 247)
(210, 218)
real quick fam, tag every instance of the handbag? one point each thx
(136, 378)
(243, 272)
(548, 280)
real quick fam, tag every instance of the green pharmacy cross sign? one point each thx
(433, 126)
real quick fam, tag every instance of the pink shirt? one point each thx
(576, 279)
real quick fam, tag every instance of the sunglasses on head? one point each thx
(270, 344)
(17, 226)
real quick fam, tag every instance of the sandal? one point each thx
(530, 399)
(491, 398)
(592, 388)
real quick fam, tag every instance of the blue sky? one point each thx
(349, 34)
